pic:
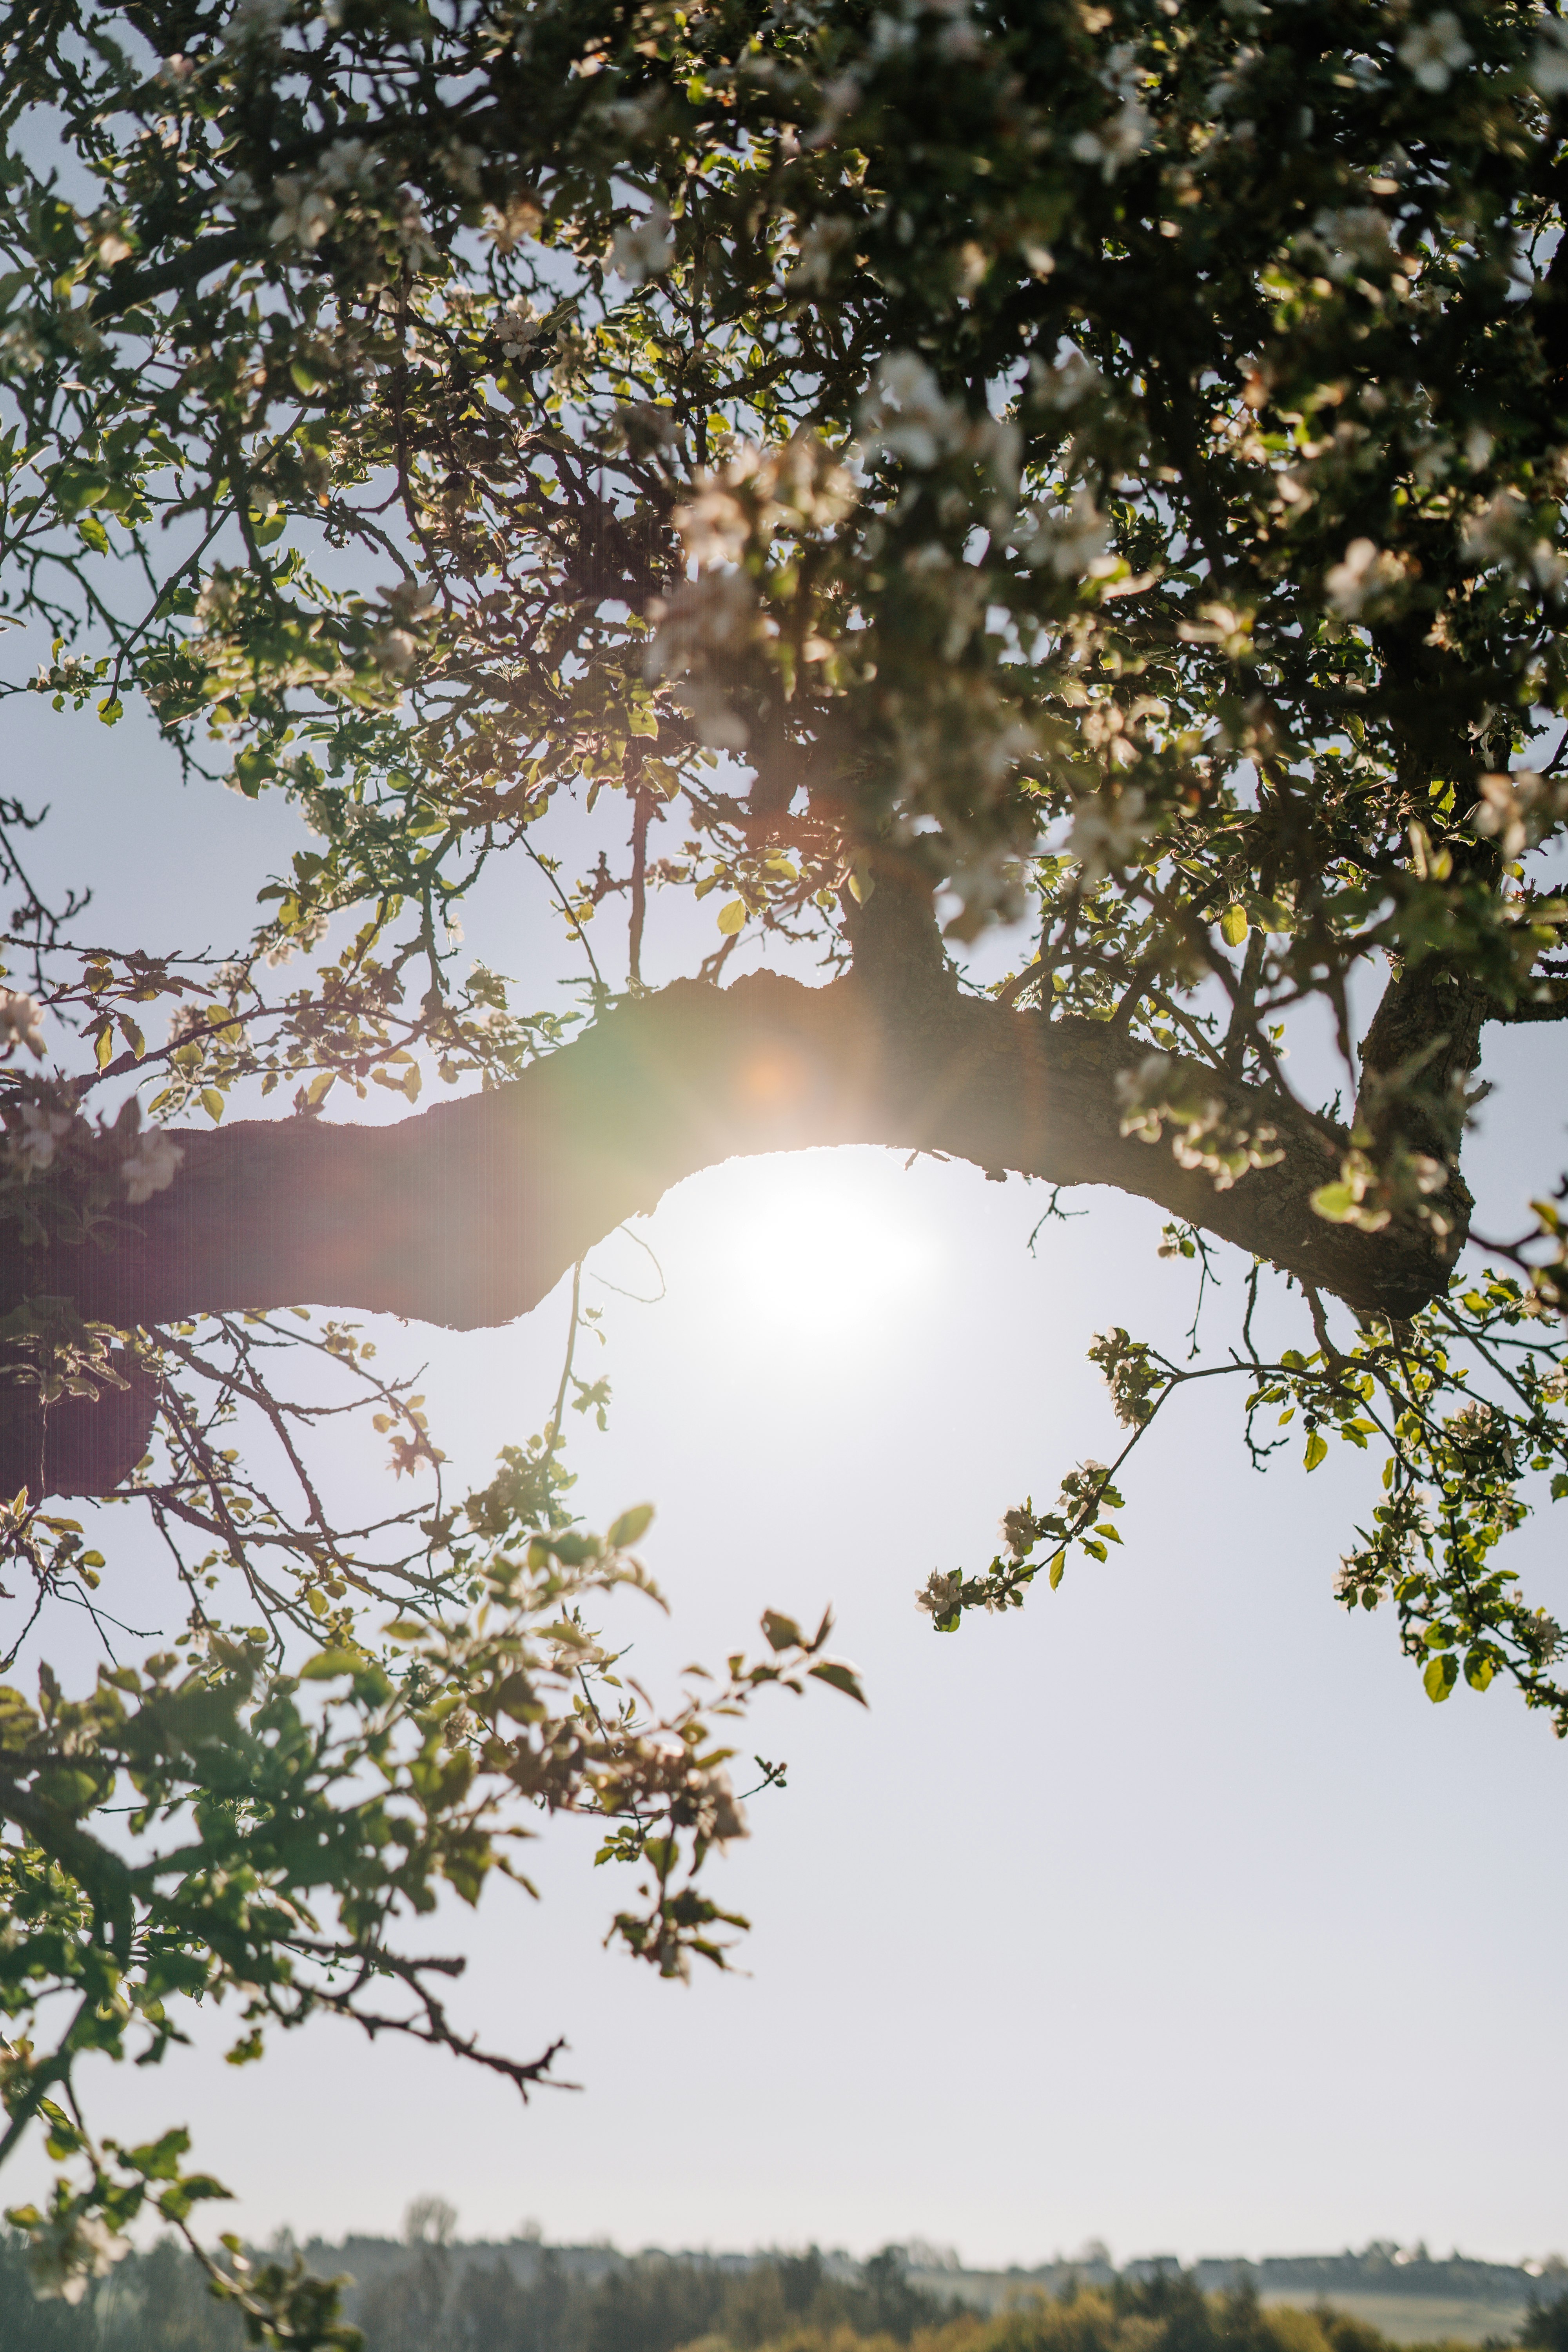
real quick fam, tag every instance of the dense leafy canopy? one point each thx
(1094, 464)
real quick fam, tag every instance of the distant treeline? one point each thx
(442, 2299)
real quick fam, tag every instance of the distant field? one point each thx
(1422, 2318)
(1404, 2319)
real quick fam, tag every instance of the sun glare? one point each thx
(819, 1244)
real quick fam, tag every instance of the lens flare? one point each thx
(819, 1243)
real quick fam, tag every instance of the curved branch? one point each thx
(470, 1212)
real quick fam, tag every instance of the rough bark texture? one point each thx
(469, 1213)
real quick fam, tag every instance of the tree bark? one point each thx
(469, 1213)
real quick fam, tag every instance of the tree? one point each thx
(906, 473)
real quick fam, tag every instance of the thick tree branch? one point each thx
(469, 1213)
(1420, 1051)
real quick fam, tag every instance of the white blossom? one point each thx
(713, 526)
(508, 225)
(907, 415)
(1075, 545)
(720, 1816)
(396, 649)
(1435, 50)
(961, 40)
(239, 193)
(150, 1166)
(1227, 88)
(643, 249)
(814, 259)
(518, 327)
(20, 1020)
(1517, 809)
(714, 616)
(34, 1147)
(343, 164)
(840, 97)
(989, 881)
(305, 211)
(1352, 240)
(1064, 387)
(1501, 533)
(413, 234)
(65, 2254)
(1107, 828)
(1494, 534)
(1366, 570)
(461, 161)
(940, 1593)
(306, 934)
(1120, 138)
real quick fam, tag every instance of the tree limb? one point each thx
(469, 1213)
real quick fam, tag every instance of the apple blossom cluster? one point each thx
(39, 1132)
(69, 2248)
(42, 1134)
(21, 1023)
(1162, 1093)
(151, 1166)
(1520, 810)
(643, 250)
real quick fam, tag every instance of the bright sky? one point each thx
(1168, 1909)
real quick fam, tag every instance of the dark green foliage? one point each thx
(1545, 2328)
(440, 2298)
(156, 2302)
(437, 2301)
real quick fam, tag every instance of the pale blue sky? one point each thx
(1168, 1909)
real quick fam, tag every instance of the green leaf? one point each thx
(328, 1664)
(195, 2189)
(1317, 1447)
(1440, 1677)
(160, 2158)
(1233, 924)
(1478, 1670)
(252, 770)
(841, 1676)
(1059, 1568)
(732, 915)
(1336, 1203)
(629, 1527)
(782, 1632)
(212, 1103)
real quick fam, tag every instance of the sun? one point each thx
(820, 1244)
